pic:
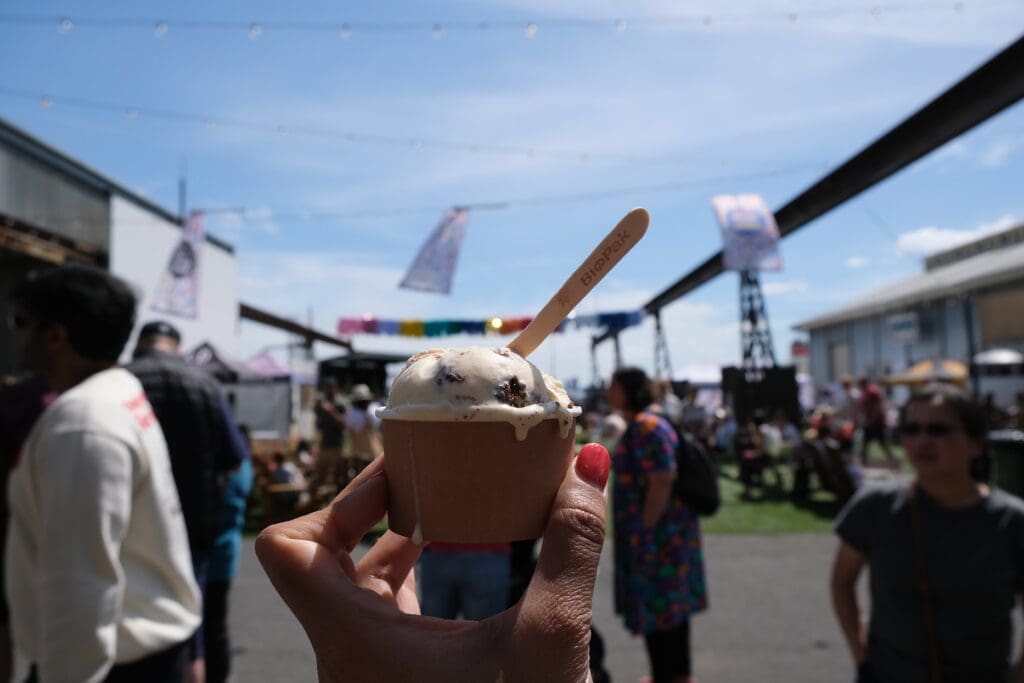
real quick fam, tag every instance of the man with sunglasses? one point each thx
(99, 577)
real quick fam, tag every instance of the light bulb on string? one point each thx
(65, 25)
(160, 30)
(707, 20)
(209, 123)
(876, 12)
(792, 17)
(282, 131)
(255, 31)
(346, 32)
(531, 30)
(958, 7)
(45, 101)
(131, 112)
(620, 26)
(437, 32)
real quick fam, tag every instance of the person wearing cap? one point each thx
(330, 422)
(363, 429)
(203, 440)
(98, 573)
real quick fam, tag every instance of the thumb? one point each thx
(561, 593)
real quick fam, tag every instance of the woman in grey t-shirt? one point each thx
(971, 540)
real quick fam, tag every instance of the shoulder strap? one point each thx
(934, 664)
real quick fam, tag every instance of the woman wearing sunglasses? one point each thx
(945, 555)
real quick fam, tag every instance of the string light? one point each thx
(437, 32)
(502, 205)
(281, 129)
(131, 112)
(254, 29)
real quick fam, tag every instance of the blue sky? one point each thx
(764, 103)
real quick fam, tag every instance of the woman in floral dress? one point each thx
(659, 562)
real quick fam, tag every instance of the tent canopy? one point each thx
(208, 357)
(926, 371)
(999, 357)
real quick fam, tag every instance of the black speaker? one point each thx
(761, 399)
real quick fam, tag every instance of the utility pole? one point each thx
(182, 191)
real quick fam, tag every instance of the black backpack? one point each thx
(696, 481)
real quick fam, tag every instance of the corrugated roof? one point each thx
(983, 270)
(52, 157)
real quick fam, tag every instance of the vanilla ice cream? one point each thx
(478, 384)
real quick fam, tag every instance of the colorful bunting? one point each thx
(618, 320)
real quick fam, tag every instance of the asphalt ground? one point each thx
(770, 618)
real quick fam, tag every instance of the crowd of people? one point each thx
(128, 486)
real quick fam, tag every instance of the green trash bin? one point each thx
(1006, 448)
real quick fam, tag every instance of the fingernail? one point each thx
(593, 465)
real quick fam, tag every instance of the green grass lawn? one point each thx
(770, 511)
(773, 512)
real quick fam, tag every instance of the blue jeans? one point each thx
(467, 582)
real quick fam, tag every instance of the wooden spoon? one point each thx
(608, 253)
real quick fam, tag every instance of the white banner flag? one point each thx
(178, 291)
(750, 234)
(434, 266)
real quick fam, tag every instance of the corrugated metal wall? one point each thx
(47, 199)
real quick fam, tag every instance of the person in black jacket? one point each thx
(203, 441)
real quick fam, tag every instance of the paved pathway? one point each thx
(770, 619)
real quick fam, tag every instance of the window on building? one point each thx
(999, 318)
(839, 360)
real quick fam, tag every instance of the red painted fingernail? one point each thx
(593, 464)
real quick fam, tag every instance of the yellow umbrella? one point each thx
(951, 371)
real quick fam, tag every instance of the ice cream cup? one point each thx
(473, 482)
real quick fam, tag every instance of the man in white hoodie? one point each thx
(99, 577)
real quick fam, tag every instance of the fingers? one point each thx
(559, 599)
(552, 622)
(390, 560)
(354, 512)
(575, 533)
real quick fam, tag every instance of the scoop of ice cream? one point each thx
(481, 384)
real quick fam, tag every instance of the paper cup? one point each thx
(473, 482)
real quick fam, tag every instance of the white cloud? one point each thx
(785, 287)
(1000, 151)
(930, 239)
(935, 24)
(231, 224)
(856, 262)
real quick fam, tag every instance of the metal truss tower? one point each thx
(755, 334)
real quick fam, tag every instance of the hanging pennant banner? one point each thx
(434, 266)
(178, 291)
(749, 232)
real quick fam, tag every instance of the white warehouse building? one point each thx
(55, 209)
